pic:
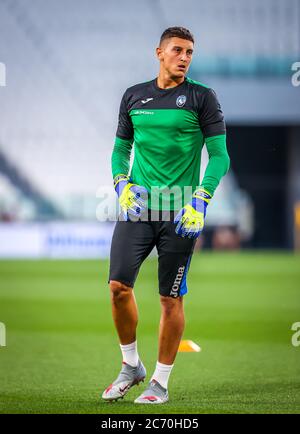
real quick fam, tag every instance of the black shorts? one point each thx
(133, 241)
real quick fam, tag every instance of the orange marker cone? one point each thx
(188, 347)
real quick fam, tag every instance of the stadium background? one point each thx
(63, 68)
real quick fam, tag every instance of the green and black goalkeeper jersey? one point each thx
(168, 128)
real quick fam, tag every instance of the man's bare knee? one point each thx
(171, 304)
(119, 291)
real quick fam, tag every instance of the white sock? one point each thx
(162, 373)
(130, 354)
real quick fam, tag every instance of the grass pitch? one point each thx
(62, 349)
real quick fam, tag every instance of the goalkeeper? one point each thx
(168, 119)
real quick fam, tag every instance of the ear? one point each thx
(159, 53)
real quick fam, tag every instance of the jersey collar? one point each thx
(159, 89)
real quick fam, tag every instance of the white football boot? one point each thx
(154, 394)
(128, 377)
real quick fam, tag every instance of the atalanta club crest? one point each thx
(181, 101)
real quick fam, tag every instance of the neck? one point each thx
(164, 80)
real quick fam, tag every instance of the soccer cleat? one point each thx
(128, 377)
(154, 394)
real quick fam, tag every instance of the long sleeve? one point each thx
(214, 130)
(120, 159)
(219, 162)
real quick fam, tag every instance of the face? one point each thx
(175, 55)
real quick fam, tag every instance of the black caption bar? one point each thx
(107, 423)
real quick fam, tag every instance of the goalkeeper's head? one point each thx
(175, 51)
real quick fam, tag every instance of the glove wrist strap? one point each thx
(202, 194)
(119, 178)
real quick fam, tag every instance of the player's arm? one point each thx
(212, 123)
(190, 220)
(132, 197)
(120, 159)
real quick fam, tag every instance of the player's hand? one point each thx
(132, 197)
(190, 219)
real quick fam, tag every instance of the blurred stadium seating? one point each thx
(69, 61)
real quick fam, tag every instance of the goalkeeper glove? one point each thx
(132, 197)
(190, 219)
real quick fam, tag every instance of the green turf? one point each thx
(62, 350)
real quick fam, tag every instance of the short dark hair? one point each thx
(176, 32)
